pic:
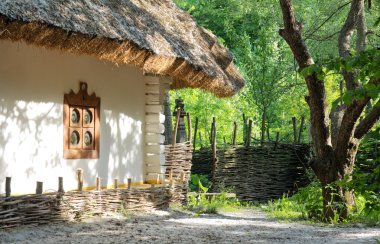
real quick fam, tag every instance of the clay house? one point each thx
(82, 85)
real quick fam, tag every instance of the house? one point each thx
(82, 84)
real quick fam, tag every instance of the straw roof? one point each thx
(154, 35)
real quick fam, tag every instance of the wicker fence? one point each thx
(256, 173)
(35, 209)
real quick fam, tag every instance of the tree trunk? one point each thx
(332, 162)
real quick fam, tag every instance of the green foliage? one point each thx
(199, 183)
(202, 203)
(305, 204)
(366, 67)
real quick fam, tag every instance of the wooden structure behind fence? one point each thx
(34, 209)
(255, 173)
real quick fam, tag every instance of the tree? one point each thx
(335, 162)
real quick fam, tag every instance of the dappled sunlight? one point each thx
(31, 119)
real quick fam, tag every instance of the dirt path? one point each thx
(246, 226)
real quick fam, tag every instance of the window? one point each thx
(81, 117)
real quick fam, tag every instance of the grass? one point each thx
(306, 205)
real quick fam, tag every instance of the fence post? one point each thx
(244, 129)
(129, 183)
(214, 158)
(301, 128)
(276, 143)
(115, 183)
(190, 133)
(234, 134)
(195, 132)
(98, 183)
(80, 179)
(8, 186)
(60, 185)
(174, 139)
(294, 120)
(249, 133)
(39, 187)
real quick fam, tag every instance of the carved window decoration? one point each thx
(81, 119)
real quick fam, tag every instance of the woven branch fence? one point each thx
(36, 209)
(255, 173)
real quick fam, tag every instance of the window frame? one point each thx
(81, 101)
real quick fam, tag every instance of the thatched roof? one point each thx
(154, 35)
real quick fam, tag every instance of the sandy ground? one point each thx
(245, 226)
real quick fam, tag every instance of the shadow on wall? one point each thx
(32, 84)
(31, 144)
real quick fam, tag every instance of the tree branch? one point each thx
(368, 122)
(317, 94)
(308, 36)
(344, 41)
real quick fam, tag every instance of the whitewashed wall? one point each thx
(32, 83)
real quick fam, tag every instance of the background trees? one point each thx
(329, 33)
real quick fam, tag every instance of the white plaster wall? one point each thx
(32, 84)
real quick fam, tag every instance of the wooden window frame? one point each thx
(81, 101)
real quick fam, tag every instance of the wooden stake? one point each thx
(214, 158)
(244, 129)
(182, 177)
(189, 126)
(8, 186)
(162, 179)
(200, 139)
(171, 174)
(129, 183)
(276, 143)
(80, 179)
(249, 133)
(301, 129)
(60, 185)
(97, 183)
(195, 132)
(234, 134)
(39, 187)
(294, 120)
(115, 183)
(174, 139)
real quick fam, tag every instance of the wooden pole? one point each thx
(8, 186)
(276, 143)
(129, 183)
(189, 126)
(224, 141)
(244, 129)
(174, 139)
(212, 131)
(115, 183)
(171, 175)
(200, 139)
(294, 120)
(268, 133)
(195, 132)
(234, 134)
(214, 158)
(39, 187)
(301, 129)
(249, 133)
(97, 183)
(60, 185)
(182, 177)
(80, 179)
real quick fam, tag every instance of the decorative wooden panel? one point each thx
(81, 120)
